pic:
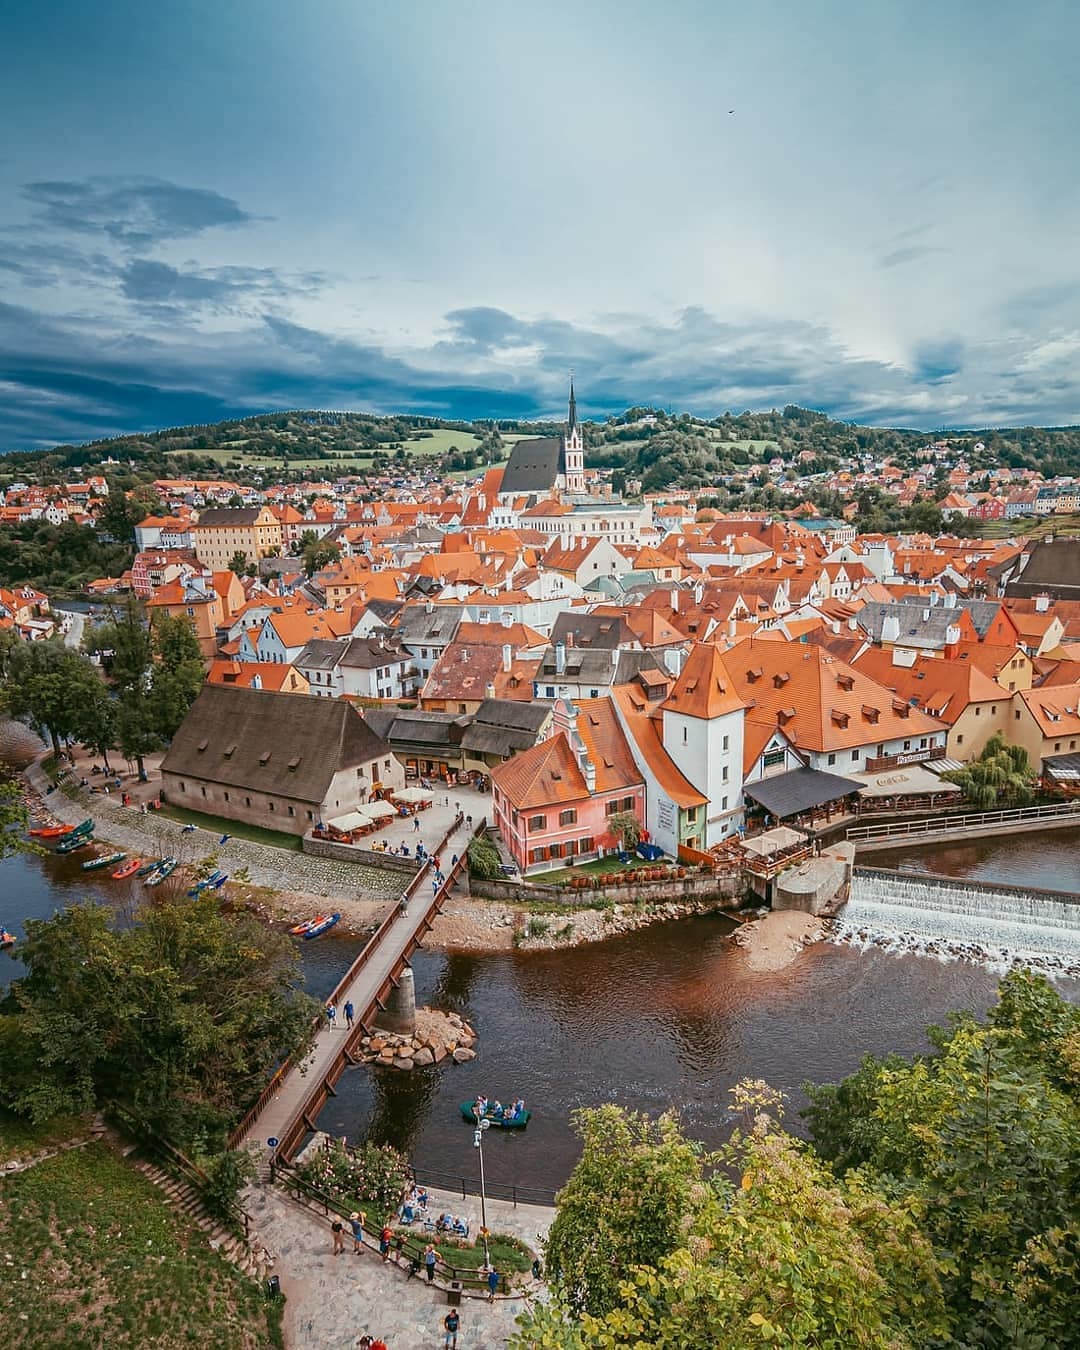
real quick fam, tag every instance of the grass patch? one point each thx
(19, 1138)
(440, 441)
(1030, 527)
(507, 1253)
(236, 828)
(598, 867)
(108, 1264)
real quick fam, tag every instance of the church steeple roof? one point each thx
(571, 421)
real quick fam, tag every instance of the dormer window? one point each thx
(785, 715)
(840, 718)
(780, 680)
(264, 758)
(846, 682)
(753, 675)
(871, 714)
(230, 750)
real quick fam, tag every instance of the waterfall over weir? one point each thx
(940, 916)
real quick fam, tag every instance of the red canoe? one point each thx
(128, 869)
(52, 831)
(301, 928)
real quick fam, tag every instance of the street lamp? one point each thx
(478, 1144)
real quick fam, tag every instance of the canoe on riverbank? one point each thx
(106, 860)
(128, 870)
(164, 869)
(323, 926)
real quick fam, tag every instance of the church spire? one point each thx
(572, 419)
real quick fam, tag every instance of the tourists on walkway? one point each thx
(338, 1230)
(331, 1015)
(493, 1284)
(357, 1220)
(451, 1323)
(349, 1012)
(384, 1241)
(430, 1257)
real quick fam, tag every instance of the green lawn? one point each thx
(218, 825)
(440, 441)
(598, 867)
(95, 1260)
(20, 1139)
(1032, 527)
(507, 1253)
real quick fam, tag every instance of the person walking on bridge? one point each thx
(331, 1015)
(349, 1012)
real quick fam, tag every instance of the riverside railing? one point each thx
(494, 1190)
(903, 829)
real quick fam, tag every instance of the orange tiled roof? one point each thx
(598, 726)
(704, 688)
(547, 774)
(645, 725)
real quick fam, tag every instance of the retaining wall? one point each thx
(726, 889)
(328, 848)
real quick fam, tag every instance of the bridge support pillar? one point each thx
(399, 1014)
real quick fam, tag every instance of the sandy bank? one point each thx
(773, 942)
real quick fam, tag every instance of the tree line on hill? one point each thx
(936, 1204)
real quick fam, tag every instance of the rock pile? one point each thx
(438, 1036)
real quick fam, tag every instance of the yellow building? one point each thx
(219, 535)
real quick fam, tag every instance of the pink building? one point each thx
(553, 801)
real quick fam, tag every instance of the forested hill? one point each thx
(662, 449)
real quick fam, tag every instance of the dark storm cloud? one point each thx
(146, 281)
(135, 212)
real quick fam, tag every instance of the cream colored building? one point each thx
(219, 535)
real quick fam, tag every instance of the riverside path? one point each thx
(291, 1102)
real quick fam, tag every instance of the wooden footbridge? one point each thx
(290, 1103)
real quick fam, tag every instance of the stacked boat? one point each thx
(104, 860)
(165, 868)
(78, 837)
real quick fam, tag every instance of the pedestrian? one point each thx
(384, 1241)
(493, 1284)
(416, 824)
(349, 1011)
(357, 1220)
(436, 864)
(338, 1230)
(331, 1015)
(430, 1257)
(435, 884)
(451, 1322)
(143, 808)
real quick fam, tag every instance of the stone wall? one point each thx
(726, 890)
(329, 848)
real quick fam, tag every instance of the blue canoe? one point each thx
(320, 928)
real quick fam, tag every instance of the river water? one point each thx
(667, 1016)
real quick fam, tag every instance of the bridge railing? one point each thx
(904, 829)
(494, 1190)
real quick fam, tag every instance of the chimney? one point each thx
(926, 616)
(256, 681)
(489, 690)
(560, 658)
(508, 656)
(952, 638)
(890, 627)
(675, 601)
(1042, 604)
(429, 607)
(731, 628)
(588, 768)
(507, 619)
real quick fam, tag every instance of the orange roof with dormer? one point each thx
(704, 688)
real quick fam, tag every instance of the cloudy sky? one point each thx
(214, 208)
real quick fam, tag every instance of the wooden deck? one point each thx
(290, 1103)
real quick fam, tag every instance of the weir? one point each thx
(950, 915)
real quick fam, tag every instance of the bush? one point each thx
(484, 859)
(369, 1177)
(227, 1175)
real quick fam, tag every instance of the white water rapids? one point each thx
(952, 920)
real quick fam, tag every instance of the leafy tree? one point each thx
(57, 690)
(178, 1018)
(625, 826)
(316, 553)
(178, 674)
(984, 1137)
(238, 563)
(792, 1256)
(130, 671)
(1002, 773)
(483, 858)
(13, 818)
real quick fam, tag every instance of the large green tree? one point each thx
(57, 690)
(1001, 774)
(179, 1017)
(984, 1136)
(791, 1256)
(127, 652)
(178, 673)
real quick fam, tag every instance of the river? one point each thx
(667, 1016)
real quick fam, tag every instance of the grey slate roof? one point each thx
(239, 515)
(922, 626)
(586, 665)
(286, 745)
(534, 465)
(419, 628)
(502, 726)
(789, 794)
(1052, 569)
(598, 631)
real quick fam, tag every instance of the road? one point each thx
(74, 635)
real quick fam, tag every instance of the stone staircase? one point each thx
(247, 1254)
